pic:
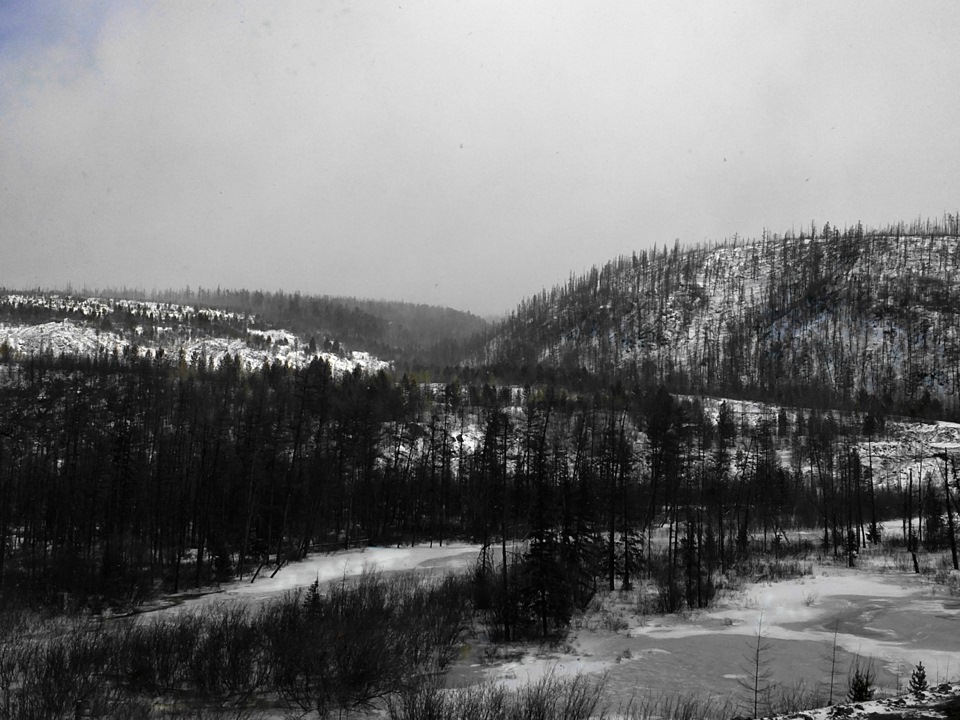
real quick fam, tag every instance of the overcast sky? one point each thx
(465, 153)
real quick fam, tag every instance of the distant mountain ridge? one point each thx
(388, 327)
(98, 328)
(236, 319)
(830, 316)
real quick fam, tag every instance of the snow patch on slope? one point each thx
(174, 333)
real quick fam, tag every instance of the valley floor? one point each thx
(880, 615)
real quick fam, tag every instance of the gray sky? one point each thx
(466, 152)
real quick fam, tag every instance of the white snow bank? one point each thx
(335, 566)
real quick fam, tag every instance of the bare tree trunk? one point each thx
(950, 528)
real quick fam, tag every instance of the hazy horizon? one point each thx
(462, 154)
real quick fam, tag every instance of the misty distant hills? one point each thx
(391, 329)
(829, 317)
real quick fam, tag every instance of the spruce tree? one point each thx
(861, 684)
(918, 679)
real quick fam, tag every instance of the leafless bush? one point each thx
(686, 706)
(44, 677)
(362, 641)
(789, 699)
(762, 568)
(346, 648)
(551, 698)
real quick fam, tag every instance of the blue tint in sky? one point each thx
(43, 41)
(32, 25)
(23, 23)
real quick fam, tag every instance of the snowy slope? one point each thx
(103, 327)
(906, 447)
(848, 313)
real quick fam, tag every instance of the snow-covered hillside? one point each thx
(836, 314)
(103, 327)
(905, 448)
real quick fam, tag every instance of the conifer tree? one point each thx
(918, 679)
(861, 683)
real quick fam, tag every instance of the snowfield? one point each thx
(877, 615)
(331, 567)
(883, 618)
(259, 347)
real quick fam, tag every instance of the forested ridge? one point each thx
(401, 332)
(826, 316)
(392, 329)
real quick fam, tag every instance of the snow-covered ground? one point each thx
(939, 701)
(885, 618)
(80, 337)
(331, 567)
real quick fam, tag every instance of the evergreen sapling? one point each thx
(918, 679)
(861, 684)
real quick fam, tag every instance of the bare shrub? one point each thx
(421, 701)
(550, 698)
(226, 658)
(44, 677)
(687, 706)
(363, 640)
(790, 699)
(346, 648)
(759, 568)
